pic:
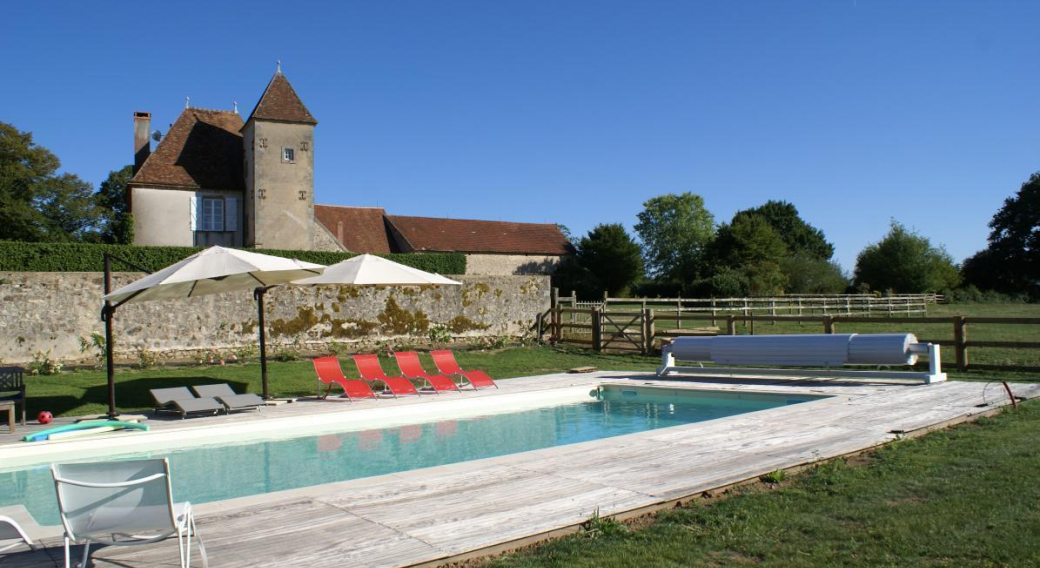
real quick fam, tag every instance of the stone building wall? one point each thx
(43, 312)
(505, 264)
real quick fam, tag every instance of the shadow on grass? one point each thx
(131, 394)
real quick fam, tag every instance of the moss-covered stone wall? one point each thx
(43, 312)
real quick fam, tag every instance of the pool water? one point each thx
(217, 472)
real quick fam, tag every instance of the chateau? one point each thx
(215, 179)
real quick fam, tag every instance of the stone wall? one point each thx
(50, 312)
(505, 264)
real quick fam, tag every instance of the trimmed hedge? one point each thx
(84, 257)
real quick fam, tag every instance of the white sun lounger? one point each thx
(122, 503)
(231, 401)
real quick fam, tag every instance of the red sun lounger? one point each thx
(408, 362)
(446, 364)
(369, 369)
(329, 372)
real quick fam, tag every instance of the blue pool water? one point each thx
(212, 473)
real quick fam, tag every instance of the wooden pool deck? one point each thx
(435, 515)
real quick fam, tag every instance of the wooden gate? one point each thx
(622, 331)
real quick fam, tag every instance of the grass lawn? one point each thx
(963, 497)
(86, 392)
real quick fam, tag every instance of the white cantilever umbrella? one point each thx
(211, 271)
(371, 270)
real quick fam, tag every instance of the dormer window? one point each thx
(288, 155)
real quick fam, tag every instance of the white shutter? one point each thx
(230, 213)
(195, 213)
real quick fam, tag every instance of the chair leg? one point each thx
(180, 547)
(193, 530)
(68, 558)
(86, 554)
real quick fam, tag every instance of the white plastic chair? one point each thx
(122, 503)
(9, 530)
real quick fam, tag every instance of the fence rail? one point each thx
(800, 304)
(641, 330)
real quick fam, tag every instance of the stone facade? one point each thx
(47, 312)
(279, 192)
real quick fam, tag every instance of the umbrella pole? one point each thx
(259, 295)
(106, 314)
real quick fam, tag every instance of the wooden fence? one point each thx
(796, 304)
(640, 331)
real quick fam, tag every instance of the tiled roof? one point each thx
(360, 229)
(462, 235)
(280, 102)
(203, 149)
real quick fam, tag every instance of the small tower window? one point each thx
(288, 155)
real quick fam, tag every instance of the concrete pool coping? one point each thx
(433, 515)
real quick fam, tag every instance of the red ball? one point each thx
(44, 417)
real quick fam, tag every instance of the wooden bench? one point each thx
(9, 407)
(12, 380)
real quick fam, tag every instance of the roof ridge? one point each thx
(211, 110)
(350, 206)
(473, 220)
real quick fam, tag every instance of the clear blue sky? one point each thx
(857, 111)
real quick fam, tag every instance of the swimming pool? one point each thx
(227, 470)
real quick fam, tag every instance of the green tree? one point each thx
(905, 262)
(675, 231)
(607, 259)
(111, 198)
(1011, 261)
(613, 258)
(37, 203)
(807, 275)
(801, 238)
(748, 253)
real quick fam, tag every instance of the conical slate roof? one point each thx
(280, 102)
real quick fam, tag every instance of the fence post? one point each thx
(714, 323)
(648, 331)
(752, 317)
(828, 324)
(597, 330)
(960, 337)
(731, 326)
(557, 333)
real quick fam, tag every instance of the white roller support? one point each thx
(828, 350)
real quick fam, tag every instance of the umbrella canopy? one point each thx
(212, 271)
(371, 270)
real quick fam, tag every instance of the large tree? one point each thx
(607, 259)
(675, 230)
(1011, 261)
(905, 262)
(36, 202)
(117, 224)
(748, 252)
(801, 238)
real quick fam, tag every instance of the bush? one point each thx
(82, 257)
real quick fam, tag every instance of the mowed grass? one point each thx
(964, 497)
(85, 392)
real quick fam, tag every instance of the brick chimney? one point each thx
(142, 147)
